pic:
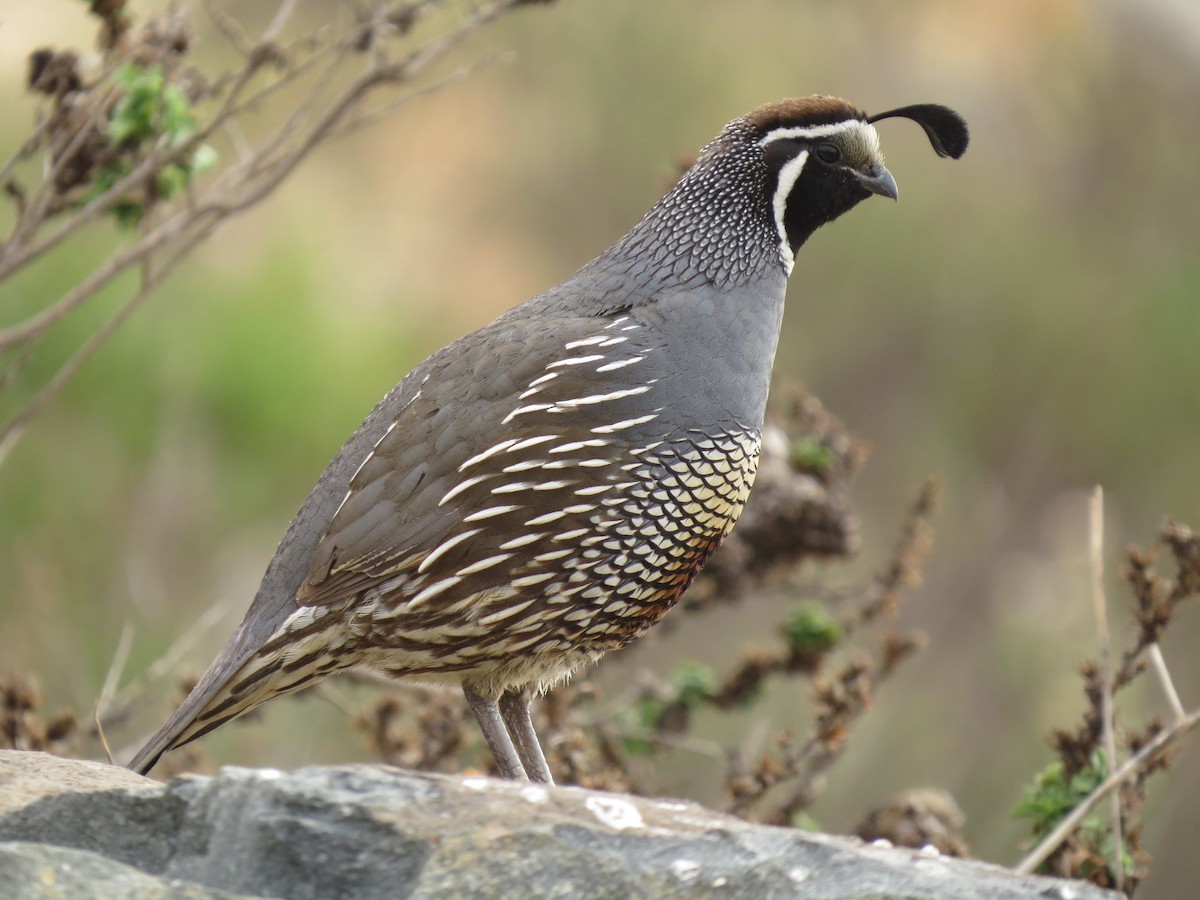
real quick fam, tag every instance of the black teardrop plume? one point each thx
(944, 127)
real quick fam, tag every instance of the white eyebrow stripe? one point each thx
(819, 131)
(787, 180)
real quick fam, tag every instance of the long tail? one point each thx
(303, 651)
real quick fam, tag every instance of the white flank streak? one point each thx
(595, 339)
(553, 555)
(576, 361)
(524, 466)
(395, 422)
(547, 518)
(512, 487)
(483, 564)
(608, 342)
(578, 445)
(504, 613)
(462, 486)
(344, 499)
(578, 508)
(446, 545)
(522, 540)
(531, 442)
(489, 512)
(490, 451)
(619, 364)
(787, 179)
(594, 463)
(521, 410)
(595, 489)
(598, 398)
(570, 535)
(531, 580)
(433, 590)
(627, 423)
(549, 376)
(552, 485)
(367, 458)
(615, 322)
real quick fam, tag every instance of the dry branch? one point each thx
(64, 200)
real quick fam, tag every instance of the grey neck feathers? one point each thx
(715, 226)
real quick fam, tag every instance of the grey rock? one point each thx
(45, 872)
(374, 831)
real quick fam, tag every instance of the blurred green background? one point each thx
(1026, 322)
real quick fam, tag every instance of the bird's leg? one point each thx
(487, 714)
(514, 708)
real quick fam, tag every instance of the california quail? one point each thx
(543, 490)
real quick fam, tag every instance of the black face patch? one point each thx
(805, 190)
(820, 194)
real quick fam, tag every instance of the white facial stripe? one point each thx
(857, 138)
(787, 179)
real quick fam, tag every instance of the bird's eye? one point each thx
(828, 153)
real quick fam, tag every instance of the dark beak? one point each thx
(879, 180)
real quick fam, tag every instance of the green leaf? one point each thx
(811, 455)
(812, 629)
(694, 684)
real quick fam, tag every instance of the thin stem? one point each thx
(1100, 609)
(1164, 679)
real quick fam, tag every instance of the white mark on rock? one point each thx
(799, 874)
(476, 783)
(534, 793)
(685, 869)
(616, 814)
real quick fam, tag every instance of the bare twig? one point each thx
(99, 726)
(325, 112)
(115, 669)
(111, 680)
(1154, 652)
